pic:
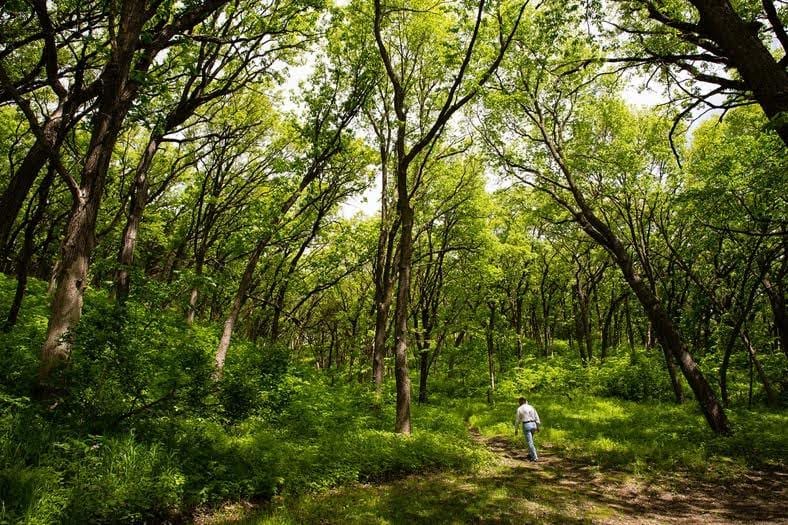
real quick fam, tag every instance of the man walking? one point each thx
(529, 419)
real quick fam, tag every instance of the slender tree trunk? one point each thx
(771, 395)
(402, 424)
(384, 284)
(609, 316)
(23, 265)
(678, 393)
(629, 330)
(15, 194)
(491, 353)
(194, 293)
(579, 329)
(139, 199)
(251, 265)
(235, 308)
(424, 370)
(779, 312)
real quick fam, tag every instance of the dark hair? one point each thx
(521, 400)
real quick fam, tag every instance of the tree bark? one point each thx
(771, 395)
(609, 315)
(15, 194)
(79, 241)
(235, 309)
(779, 313)
(491, 353)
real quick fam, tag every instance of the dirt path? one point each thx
(606, 496)
(554, 490)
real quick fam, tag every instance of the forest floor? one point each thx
(556, 489)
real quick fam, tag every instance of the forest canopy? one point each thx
(223, 223)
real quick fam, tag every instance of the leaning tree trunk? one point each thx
(771, 395)
(15, 194)
(675, 384)
(235, 309)
(666, 331)
(23, 265)
(779, 311)
(71, 277)
(763, 75)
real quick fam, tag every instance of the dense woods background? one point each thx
(191, 315)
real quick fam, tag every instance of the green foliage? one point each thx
(252, 382)
(142, 433)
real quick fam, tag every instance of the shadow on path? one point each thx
(554, 490)
(611, 496)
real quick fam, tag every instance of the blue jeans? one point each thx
(528, 434)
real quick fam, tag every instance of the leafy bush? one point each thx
(127, 363)
(120, 480)
(644, 379)
(252, 382)
(618, 376)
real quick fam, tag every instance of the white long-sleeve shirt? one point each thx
(526, 414)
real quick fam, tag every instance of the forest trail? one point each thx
(585, 492)
(554, 490)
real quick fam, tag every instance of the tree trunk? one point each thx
(609, 315)
(384, 287)
(629, 330)
(678, 393)
(579, 330)
(15, 194)
(402, 424)
(79, 241)
(767, 78)
(139, 199)
(491, 353)
(235, 309)
(191, 307)
(779, 313)
(424, 370)
(771, 395)
(23, 265)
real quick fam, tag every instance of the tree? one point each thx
(129, 59)
(575, 152)
(240, 47)
(406, 37)
(335, 101)
(705, 40)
